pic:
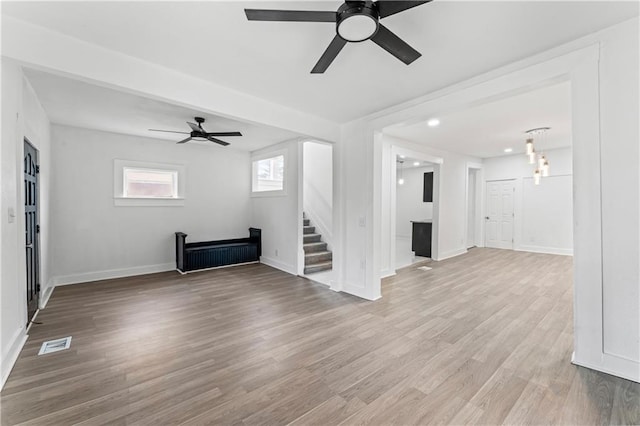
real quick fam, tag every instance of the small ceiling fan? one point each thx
(356, 21)
(198, 133)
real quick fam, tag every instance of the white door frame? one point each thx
(478, 235)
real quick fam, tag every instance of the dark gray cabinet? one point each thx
(421, 238)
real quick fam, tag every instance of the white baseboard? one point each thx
(614, 365)
(9, 359)
(450, 254)
(546, 250)
(360, 292)
(113, 273)
(46, 294)
(285, 267)
(387, 273)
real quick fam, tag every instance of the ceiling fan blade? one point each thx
(224, 134)
(290, 15)
(395, 45)
(329, 55)
(195, 127)
(212, 139)
(167, 131)
(391, 7)
(185, 140)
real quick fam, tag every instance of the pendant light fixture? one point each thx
(401, 178)
(541, 162)
(529, 145)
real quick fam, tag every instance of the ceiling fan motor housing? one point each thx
(357, 21)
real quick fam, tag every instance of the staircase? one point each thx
(316, 256)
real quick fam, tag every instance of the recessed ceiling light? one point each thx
(417, 163)
(433, 122)
(508, 150)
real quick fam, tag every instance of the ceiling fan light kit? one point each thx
(356, 24)
(356, 21)
(198, 133)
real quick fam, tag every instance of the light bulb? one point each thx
(541, 161)
(401, 181)
(545, 168)
(532, 157)
(536, 177)
(529, 146)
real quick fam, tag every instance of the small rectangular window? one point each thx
(149, 183)
(268, 174)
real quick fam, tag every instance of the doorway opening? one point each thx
(316, 254)
(414, 211)
(32, 229)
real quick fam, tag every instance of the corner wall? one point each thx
(277, 215)
(95, 239)
(543, 219)
(22, 117)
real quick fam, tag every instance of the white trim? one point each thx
(46, 294)
(452, 253)
(285, 267)
(86, 277)
(216, 267)
(387, 273)
(614, 365)
(120, 200)
(546, 250)
(285, 171)
(9, 359)
(359, 291)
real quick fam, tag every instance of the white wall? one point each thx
(543, 220)
(409, 204)
(22, 116)
(94, 239)
(277, 216)
(318, 187)
(452, 198)
(619, 173)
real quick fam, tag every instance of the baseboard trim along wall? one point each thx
(613, 365)
(46, 294)
(9, 359)
(113, 273)
(450, 254)
(285, 267)
(546, 250)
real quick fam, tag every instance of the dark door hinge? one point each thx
(37, 229)
(38, 288)
(38, 169)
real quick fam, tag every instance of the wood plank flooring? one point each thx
(484, 338)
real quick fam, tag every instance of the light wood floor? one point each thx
(483, 338)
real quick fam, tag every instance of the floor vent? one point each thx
(424, 268)
(55, 345)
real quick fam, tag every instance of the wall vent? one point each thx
(55, 345)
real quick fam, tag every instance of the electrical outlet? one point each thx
(362, 221)
(363, 264)
(276, 252)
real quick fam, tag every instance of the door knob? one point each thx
(486, 217)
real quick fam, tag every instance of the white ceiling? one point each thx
(214, 41)
(76, 103)
(486, 130)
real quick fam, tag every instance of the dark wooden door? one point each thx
(32, 228)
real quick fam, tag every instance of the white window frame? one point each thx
(119, 197)
(264, 156)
